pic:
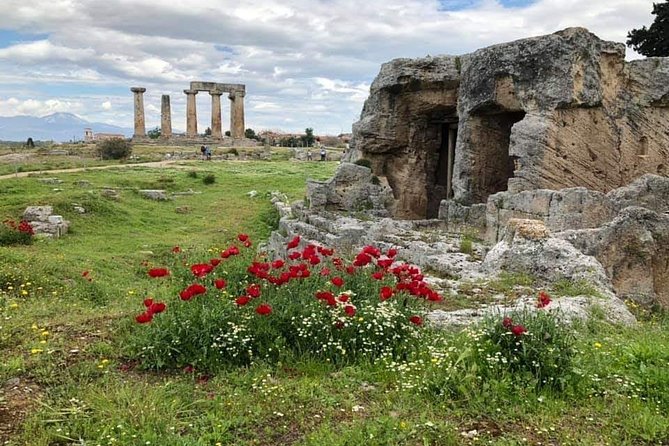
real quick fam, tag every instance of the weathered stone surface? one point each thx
(551, 112)
(351, 188)
(527, 248)
(154, 194)
(458, 216)
(648, 191)
(37, 213)
(43, 221)
(50, 180)
(110, 193)
(634, 250)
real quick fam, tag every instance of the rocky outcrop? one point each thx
(45, 222)
(352, 188)
(634, 250)
(552, 112)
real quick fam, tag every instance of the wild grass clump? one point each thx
(210, 178)
(238, 309)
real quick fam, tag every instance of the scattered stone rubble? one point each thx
(44, 222)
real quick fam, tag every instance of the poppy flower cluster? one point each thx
(517, 329)
(543, 300)
(151, 309)
(23, 226)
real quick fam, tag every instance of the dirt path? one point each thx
(156, 164)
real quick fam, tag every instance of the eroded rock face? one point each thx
(352, 188)
(552, 112)
(634, 250)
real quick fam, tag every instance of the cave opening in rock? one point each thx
(441, 172)
(492, 166)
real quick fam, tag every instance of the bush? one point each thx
(240, 309)
(210, 178)
(12, 233)
(233, 151)
(113, 149)
(364, 162)
(192, 174)
(529, 347)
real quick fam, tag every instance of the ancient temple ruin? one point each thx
(236, 94)
(550, 112)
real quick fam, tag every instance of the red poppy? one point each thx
(337, 281)
(247, 243)
(263, 309)
(85, 274)
(294, 242)
(148, 302)
(325, 252)
(372, 251)
(325, 272)
(349, 310)
(384, 263)
(176, 250)
(392, 252)
(518, 330)
(253, 290)
(362, 259)
(201, 269)
(192, 291)
(314, 260)
(242, 300)
(339, 325)
(416, 320)
(507, 322)
(159, 272)
(294, 255)
(219, 283)
(278, 264)
(215, 262)
(386, 293)
(144, 318)
(157, 307)
(343, 297)
(543, 300)
(242, 237)
(350, 269)
(378, 275)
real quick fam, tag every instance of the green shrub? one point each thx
(528, 347)
(279, 310)
(192, 174)
(210, 178)
(233, 151)
(364, 162)
(12, 233)
(113, 149)
(466, 244)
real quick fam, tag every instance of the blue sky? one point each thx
(306, 63)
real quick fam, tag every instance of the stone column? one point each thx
(140, 128)
(237, 128)
(191, 114)
(216, 114)
(165, 117)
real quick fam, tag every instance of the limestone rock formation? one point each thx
(551, 112)
(352, 188)
(44, 222)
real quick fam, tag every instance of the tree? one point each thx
(207, 131)
(227, 133)
(308, 138)
(250, 134)
(154, 133)
(653, 41)
(113, 149)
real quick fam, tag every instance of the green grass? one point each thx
(60, 335)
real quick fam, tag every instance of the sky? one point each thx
(305, 63)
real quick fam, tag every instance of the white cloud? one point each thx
(306, 63)
(15, 107)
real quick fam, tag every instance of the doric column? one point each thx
(140, 128)
(216, 114)
(237, 129)
(191, 114)
(165, 117)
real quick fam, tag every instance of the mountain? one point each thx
(57, 127)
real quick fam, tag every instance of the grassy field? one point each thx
(66, 379)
